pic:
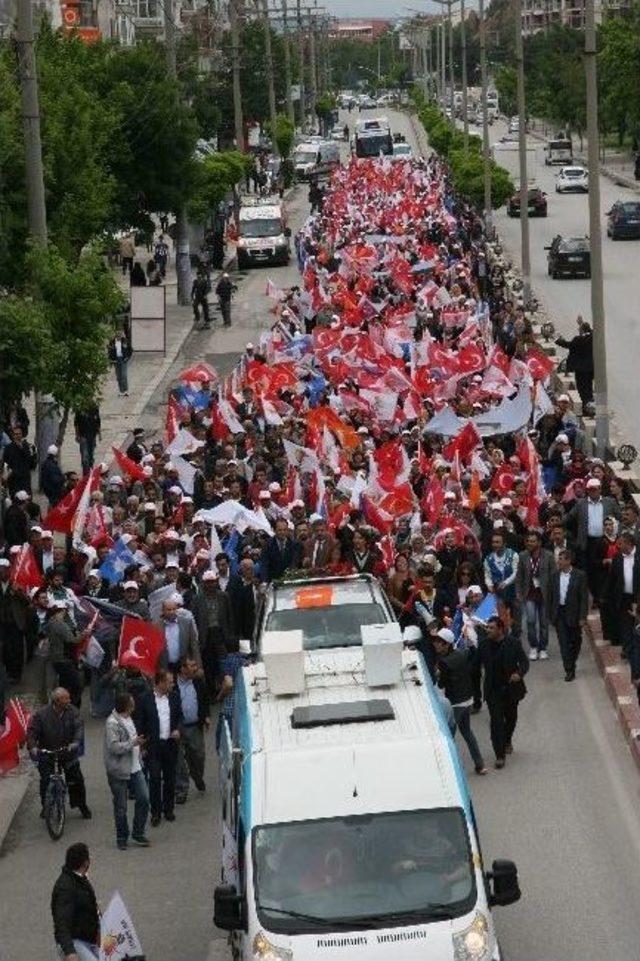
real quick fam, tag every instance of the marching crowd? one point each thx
(396, 420)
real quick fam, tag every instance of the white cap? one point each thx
(250, 346)
(47, 534)
(475, 589)
(130, 586)
(446, 635)
(498, 525)
(297, 503)
(4, 562)
(449, 496)
(52, 449)
(363, 430)
(187, 500)
(564, 398)
(148, 459)
(177, 598)
(149, 506)
(94, 572)
(171, 564)
(22, 496)
(15, 549)
(315, 518)
(147, 470)
(36, 530)
(264, 496)
(171, 535)
(175, 489)
(593, 482)
(116, 479)
(562, 439)
(275, 487)
(209, 576)
(506, 502)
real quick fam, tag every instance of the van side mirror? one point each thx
(287, 231)
(228, 908)
(547, 248)
(504, 883)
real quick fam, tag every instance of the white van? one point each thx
(315, 158)
(348, 830)
(263, 234)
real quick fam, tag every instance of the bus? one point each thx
(373, 137)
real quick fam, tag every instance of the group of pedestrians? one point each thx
(396, 420)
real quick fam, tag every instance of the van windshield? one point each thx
(306, 156)
(337, 625)
(372, 145)
(366, 871)
(559, 145)
(266, 227)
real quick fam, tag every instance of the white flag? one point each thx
(186, 473)
(542, 403)
(271, 415)
(94, 653)
(229, 416)
(215, 549)
(184, 443)
(118, 938)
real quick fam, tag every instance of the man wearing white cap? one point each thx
(454, 676)
(132, 603)
(586, 517)
(51, 476)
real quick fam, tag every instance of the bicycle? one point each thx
(55, 810)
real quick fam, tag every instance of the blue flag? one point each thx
(487, 608)
(456, 627)
(116, 562)
(315, 387)
(230, 547)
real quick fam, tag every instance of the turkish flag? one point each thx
(198, 374)
(60, 517)
(471, 358)
(463, 444)
(432, 500)
(128, 466)
(172, 424)
(26, 573)
(540, 364)
(380, 519)
(141, 644)
(475, 491)
(388, 552)
(503, 480)
(399, 502)
(501, 360)
(13, 733)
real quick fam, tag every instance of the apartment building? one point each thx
(542, 14)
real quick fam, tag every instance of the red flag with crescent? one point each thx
(141, 644)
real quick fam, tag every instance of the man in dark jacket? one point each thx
(157, 718)
(16, 520)
(505, 665)
(281, 553)
(76, 919)
(88, 426)
(194, 703)
(244, 594)
(580, 360)
(623, 596)
(453, 670)
(20, 458)
(569, 606)
(51, 476)
(56, 726)
(224, 290)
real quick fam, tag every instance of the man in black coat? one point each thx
(195, 705)
(580, 360)
(51, 476)
(243, 592)
(76, 919)
(224, 289)
(20, 458)
(281, 553)
(453, 670)
(505, 665)
(16, 520)
(157, 717)
(623, 596)
(568, 610)
(88, 427)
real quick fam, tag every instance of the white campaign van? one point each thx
(315, 158)
(263, 235)
(348, 830)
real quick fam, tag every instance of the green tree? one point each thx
(25, 347)
(78, 302)
(216, 175)
(506, 81)
(284, 135)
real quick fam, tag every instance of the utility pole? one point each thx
(234, 18)
(263, 9)
(183, 264)
(287, 63)
(463, 39)
(522, 146)
(303, 110)
(46, 429)
(597, 291)
(313, 87)
(452, 85)
(488, 216)
(443, 57)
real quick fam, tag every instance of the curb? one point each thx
(622, 693)
(13, 788)
(619, 179)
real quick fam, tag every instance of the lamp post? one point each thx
(486, 150)
(522, 149)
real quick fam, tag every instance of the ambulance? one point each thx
(348, 830)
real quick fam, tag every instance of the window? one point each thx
(335, 626)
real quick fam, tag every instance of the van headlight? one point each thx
(472, 944)
(263, 950)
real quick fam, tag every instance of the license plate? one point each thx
(633, 222)
(574, 260)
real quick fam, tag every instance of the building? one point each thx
(350, 28)
(541, 14)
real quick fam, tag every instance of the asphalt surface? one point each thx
(566, 808)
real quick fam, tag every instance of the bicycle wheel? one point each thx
(55, 812)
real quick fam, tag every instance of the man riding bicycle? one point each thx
(52, 728)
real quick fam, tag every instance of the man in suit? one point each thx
(157, 719)
(505, 665)
(534, 577)
(569, 606)
(587, 518)
(194, 703)
(623, 594)
(280, 553)
(179, 639)
(244, 594)
(317, 550)
(212, 612)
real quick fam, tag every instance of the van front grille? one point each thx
(354, 942)
(400, 936)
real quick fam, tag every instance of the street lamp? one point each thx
(548, 330)
(626, 454)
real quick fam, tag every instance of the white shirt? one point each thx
(564, 586)
(131, 731)
(628, 560)
(172, 640)
(47, 561)
(118, 346)
(164, 715)
(595, 518)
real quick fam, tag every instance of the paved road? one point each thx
(568, 215)
(566, 808)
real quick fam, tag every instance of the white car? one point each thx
(572, 179)
(402, 151)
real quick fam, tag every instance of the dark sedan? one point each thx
(569, 257)
(536, 204)
(623, 220)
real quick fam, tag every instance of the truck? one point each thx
(373, 137)
(348, 829)
(313, 159)
(263, 234)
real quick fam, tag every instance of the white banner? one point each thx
(118, 938)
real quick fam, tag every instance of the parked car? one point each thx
(623, 220)
(402, 151)
(569, 257)
(536, 206)
(337, 132)
(571, 179)
(514, 125)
